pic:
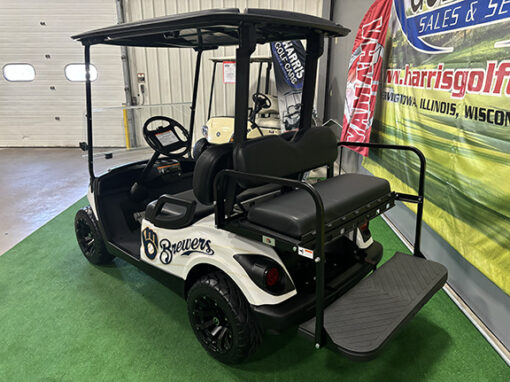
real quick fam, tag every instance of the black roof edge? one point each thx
(271, 25)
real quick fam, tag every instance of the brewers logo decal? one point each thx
(167, 250)
(150, 243)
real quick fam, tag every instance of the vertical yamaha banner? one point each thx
(363, 74)
(289, 69)
(445, 88)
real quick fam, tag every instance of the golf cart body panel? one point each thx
(201, 244)
(92, 200)
(237, 231)
(220, 129)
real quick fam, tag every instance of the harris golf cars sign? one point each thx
(435, 74)
(289, 69)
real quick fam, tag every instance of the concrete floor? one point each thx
(36, 184)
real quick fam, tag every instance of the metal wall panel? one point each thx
(31, 113)
(169, 72)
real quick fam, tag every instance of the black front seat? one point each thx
(185, 208)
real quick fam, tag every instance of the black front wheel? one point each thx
(221, 318)
(89, 237)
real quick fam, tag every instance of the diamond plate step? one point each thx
(361, 321)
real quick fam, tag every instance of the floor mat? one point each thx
(63, 319)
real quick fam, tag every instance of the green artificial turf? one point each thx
(63, 319)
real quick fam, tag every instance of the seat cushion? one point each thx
(293, 213)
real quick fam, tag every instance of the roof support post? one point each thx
(314, 49)
(259, 76)
(247, 43)
(268, 76)
(212, 91)
(88, 96)
(195, 92)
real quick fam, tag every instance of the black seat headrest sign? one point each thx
(276, 156)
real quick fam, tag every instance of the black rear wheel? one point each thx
(89, 237)
(221, 318)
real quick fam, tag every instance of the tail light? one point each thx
(266, 273)
(272, 276)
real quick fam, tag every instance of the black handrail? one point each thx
(400, 196)
(318, 254)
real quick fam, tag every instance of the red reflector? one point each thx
(272, 277)
(363, 227)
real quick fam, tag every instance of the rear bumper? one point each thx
(301, 307)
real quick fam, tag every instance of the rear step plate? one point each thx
(361, 321)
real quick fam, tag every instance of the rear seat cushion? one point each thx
(293, 213)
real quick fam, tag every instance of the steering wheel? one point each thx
(261, 101)
(165, 139)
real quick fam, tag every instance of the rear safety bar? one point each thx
(418, 199)
(318, 256)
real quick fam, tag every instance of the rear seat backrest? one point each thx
(276, 156)
(209, 164)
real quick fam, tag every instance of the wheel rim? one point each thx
(212, 325)
(86, 239)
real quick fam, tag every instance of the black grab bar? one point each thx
(318, 254)
(418, 199)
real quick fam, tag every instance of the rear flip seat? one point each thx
(293, 213)
(347, 198)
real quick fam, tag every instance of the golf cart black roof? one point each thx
(211, 28)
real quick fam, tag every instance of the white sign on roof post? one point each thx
(229, 72)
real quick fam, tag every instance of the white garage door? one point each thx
(169, 72)
(49, 110)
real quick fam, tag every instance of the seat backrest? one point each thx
(208, 165)
(276, 156)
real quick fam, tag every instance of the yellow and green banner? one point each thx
(445, 88)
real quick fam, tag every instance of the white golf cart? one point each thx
(237, 233)
(263, 117)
